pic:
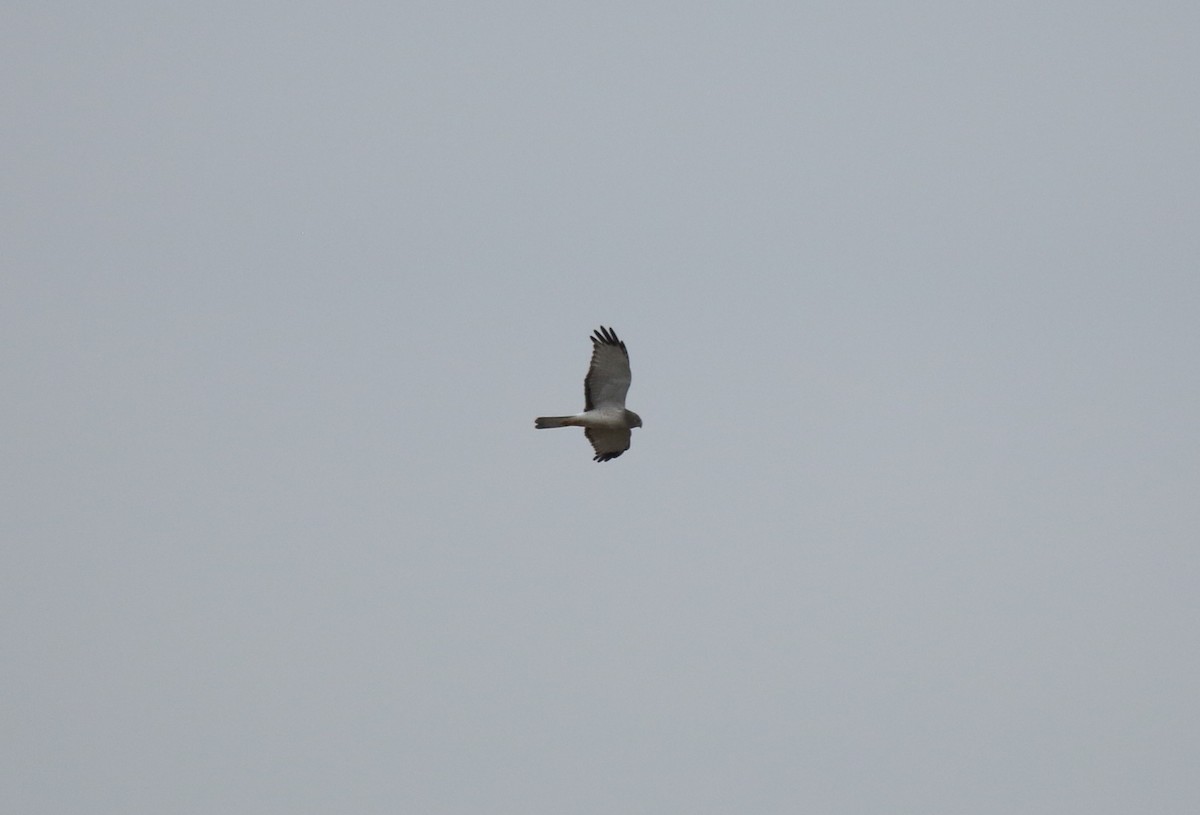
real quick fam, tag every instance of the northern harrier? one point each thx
(606, 422)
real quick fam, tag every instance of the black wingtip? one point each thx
(606, 336)
(605, 456)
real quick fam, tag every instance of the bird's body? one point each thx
(607, 423)
(598, 418)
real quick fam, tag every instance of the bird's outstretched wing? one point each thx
(608, 377)
(608, 443)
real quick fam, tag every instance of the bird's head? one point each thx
(634, 419)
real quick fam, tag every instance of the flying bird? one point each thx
(606, 422)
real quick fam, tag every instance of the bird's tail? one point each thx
(543, 422)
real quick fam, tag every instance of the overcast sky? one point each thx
(911, 294)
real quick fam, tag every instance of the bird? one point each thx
(605, 420)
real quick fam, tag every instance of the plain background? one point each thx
(911, 295)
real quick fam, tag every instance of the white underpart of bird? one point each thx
(607, 423)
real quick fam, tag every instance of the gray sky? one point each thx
(911, 297)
